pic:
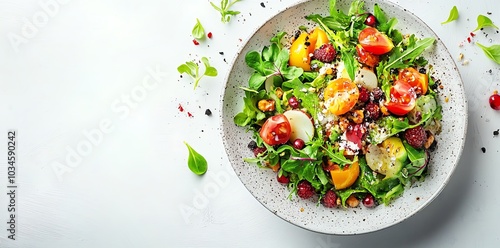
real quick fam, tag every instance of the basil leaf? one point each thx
(453, 15)
(196, 162)
(493, 52)
(483, 21)
(198, 30)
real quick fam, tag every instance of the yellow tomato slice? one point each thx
(344, 178)
(341, 95)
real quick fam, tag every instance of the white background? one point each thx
(102, 165)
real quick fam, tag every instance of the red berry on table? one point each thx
(305, 190)
(371, 20)
(283, 179)
(209, 35)
(369, 201)
(195, 42)
(329, 199)
(495, 101)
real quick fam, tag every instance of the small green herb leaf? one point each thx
(196, 162)
(223, 9)
(493, 52)
(453, 15)
(198, 30)
(192, 69)
(483, 21)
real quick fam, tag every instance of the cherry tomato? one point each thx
(402, 99)
(417, 80)
(375, 42)
(341, 95)
(366, 57)
(276, 130)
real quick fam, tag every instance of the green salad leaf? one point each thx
(224, 9)
(493, 52)
(196, 162)
(484, 21)
(198, 30)
(192, 69)
(453, 15)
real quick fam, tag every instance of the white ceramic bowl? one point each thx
(262, 183)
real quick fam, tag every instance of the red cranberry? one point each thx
(259, 150)
(495, 101)
(293, 102)
(329, 200)
(305, 190)
(369, 201)
(283, 179)
(371, 20)
(372, 111)
(298, 144)
(364, 95)
(416, 137)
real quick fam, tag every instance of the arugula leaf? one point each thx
(483, 21)
(351, 64)
(379, 14)
(337, 157)
(250, 113)
(453, 15)
(223, 9)
(399, 59)
(344, 194)
(356, 8)
(493, 52)
(196, 162)
(192, 69)
(198, 30)
(332, 6)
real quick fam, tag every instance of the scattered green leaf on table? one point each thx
(224, 7)
(453, 15)
(493, 52)
(198, 30)
(483, 21)
(196, 162)
(192, 69)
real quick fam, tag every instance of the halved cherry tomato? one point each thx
(375, 42)
(344, 178)
(304, 45)
(276, 130)
(417, 80)
(366, 57)
(341, 95)
(402, 99)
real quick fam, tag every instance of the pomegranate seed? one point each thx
(283, 179)
(298, 144)
(495, 101)
(293, 102)
(369, 201)
(371, 20)
(209, 35)
(195, 42)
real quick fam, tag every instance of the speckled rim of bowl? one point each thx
(462, 104)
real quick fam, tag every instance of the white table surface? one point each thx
(99, 168)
